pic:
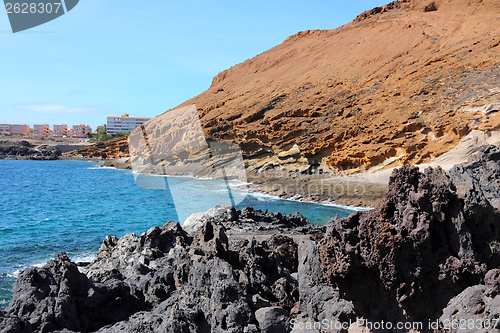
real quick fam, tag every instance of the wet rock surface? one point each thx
(26, 151)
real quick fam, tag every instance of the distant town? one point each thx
(114, 125)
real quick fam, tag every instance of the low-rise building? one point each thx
(80, 131)
(20, 129)
(14, 129)
(60, 130)
(123, 124)
(41, 130)
(4, 129)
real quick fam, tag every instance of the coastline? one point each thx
(324, 203)
(345, 192)
(349, 192)
(358, 191)
(258, 200)
(278, 269)
(83, 159)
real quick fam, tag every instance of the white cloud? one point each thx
(56, 109)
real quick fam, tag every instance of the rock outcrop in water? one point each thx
(26, 151)
(229, 271)
(429, 251)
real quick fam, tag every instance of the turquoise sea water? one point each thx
(48, 207)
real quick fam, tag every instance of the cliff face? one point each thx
(113, 148)
(400, 84)
(395, 83)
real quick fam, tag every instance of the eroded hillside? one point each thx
(394, 83)
(400, 84)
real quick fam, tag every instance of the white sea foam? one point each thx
(237, 183)
(356, 208)
(257, 195)
(187, 176)
(15, 273)
(264, 196)
(83, 257)
(101, 168)
(298, 198)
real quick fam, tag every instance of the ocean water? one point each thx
(49, 207)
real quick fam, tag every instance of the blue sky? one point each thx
(110, 57)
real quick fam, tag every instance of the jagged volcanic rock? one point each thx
(480, 178)
(478, 306)
(59, 296)
(27, 151)
(420, 247)
(169, 280)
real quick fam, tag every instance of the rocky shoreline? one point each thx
(32, 148)
(429, 253)
(23, 150)
(320, 188)
(348, 191)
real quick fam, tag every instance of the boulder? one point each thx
(272, 320)
(475, 309)
(13, 324)
(318, 299)
(58, 296)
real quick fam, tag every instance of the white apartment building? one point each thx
(124, 124)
